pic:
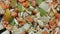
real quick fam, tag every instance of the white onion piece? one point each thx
(44, 6)
(15, 21)
(26, 26)
(25, 14)
(1, 10)
(40, 23)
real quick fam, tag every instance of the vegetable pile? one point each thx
(30, 16)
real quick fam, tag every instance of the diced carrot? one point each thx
(57, 16)
(47, 26)
(23, 22)
(16, 9)
(27, 4)
(45, 32)
(14, 14)
(18, 20)
(55, 25)
(4, 6)
(33, 3)
(29, 18)
(51, 22)
(23, 4)
(4, 23)
(54, 2)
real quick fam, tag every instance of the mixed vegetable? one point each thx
(30, 16)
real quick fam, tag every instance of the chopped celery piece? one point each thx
(30, 3)
(42, 12)
(20, 8)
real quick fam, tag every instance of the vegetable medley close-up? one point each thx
(29, 16)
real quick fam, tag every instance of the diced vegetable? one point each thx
(20, 9)
(57, 16)
(45, 32)
(12, 22)
(42, 12)
(14, 14)
(26, 26)
(4, 6)
(23, 22)
(7, 16)
(29, 18)
(30, 3)
(27, 4)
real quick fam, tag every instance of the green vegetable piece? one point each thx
(30, 3)
(20, 8)
(42, 12)
(12, 22)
